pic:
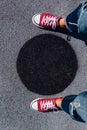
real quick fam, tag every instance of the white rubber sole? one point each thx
(33, 20)
(32, 103)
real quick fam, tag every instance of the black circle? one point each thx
(46, 64)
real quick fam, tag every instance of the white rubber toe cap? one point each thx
(36, 19)
(34, 105)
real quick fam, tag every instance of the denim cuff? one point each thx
(66, 102)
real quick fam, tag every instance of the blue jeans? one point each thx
(77, 20)
(76, 106)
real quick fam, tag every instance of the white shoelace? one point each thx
(45, 105)
(49, 21)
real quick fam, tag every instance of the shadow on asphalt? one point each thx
(46, 64)
(74, 34)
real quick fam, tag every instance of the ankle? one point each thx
(62, 23)
(59, 102)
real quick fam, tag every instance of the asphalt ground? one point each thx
(17, 89)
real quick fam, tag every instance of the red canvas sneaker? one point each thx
(45, 104)
(45, 20)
